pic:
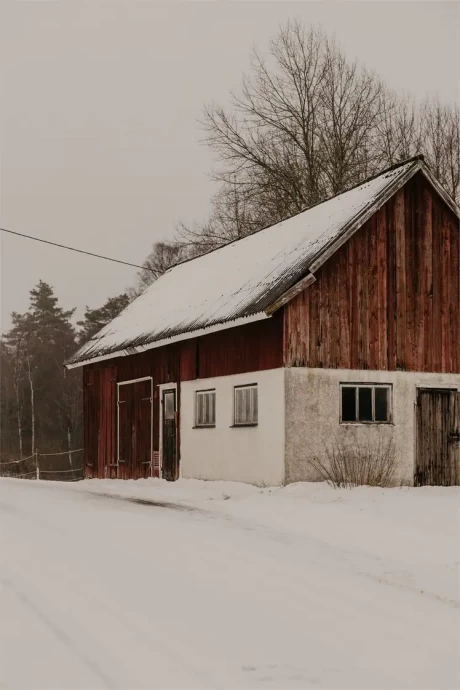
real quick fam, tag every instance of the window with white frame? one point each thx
(245, 406)
(205, 408)
(365, 403)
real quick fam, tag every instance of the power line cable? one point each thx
(73, 249)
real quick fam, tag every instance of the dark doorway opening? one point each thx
(169, 433)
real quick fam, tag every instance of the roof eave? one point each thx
(243, 320)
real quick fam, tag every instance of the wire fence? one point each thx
(16, 462)
(31, 468)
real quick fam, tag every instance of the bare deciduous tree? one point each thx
(230, 220)
(300, 130)
(306, 124)
(440, 132)
(161, 258)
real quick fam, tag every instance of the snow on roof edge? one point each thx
(188, 335)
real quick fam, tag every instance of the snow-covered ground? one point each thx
(107, 584)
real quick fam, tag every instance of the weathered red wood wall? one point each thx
(254, 347)
(390, 297)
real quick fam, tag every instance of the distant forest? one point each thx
(41, 401)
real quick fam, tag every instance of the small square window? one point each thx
(366, 404)
(205, 408)
(246, 411)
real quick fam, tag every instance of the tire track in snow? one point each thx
(331, 551)
(63, 637)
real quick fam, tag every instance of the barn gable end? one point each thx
(389, 298)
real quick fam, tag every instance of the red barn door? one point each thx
(135, 429)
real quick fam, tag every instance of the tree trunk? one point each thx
(32, 404)
(69, 444)
(18, 416)
(17, 378)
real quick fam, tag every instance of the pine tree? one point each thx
(96, 319)
(41, 402)
(45, 397)
(53, 341)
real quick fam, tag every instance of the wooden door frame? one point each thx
(127, 383)
(166, 387)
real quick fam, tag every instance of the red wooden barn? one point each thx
(338, 325)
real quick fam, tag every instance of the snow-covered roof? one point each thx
(239, 282)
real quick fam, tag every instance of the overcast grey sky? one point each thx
(99, 109)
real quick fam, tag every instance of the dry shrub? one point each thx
(348, 463)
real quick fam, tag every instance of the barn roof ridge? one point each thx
(394, 166)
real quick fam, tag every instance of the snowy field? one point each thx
(221, 585)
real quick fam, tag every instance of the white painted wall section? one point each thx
(247, 454)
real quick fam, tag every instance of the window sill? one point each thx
(204, 426)
(366, 423)
(243, 426)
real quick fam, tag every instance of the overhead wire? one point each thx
(74, 249)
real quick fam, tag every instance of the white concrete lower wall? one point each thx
(313, 416)
(247, 454)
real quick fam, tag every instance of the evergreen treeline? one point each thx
(40, 401)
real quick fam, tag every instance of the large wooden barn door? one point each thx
(135, 428)
(438, 437)
(169, 425)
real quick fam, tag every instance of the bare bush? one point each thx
(351, 463)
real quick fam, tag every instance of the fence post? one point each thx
(37, 468)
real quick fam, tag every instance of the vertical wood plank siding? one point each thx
(390, 297)
(254, 347)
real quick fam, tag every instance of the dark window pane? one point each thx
(365, 404)
(381, 405)
(348, 404)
